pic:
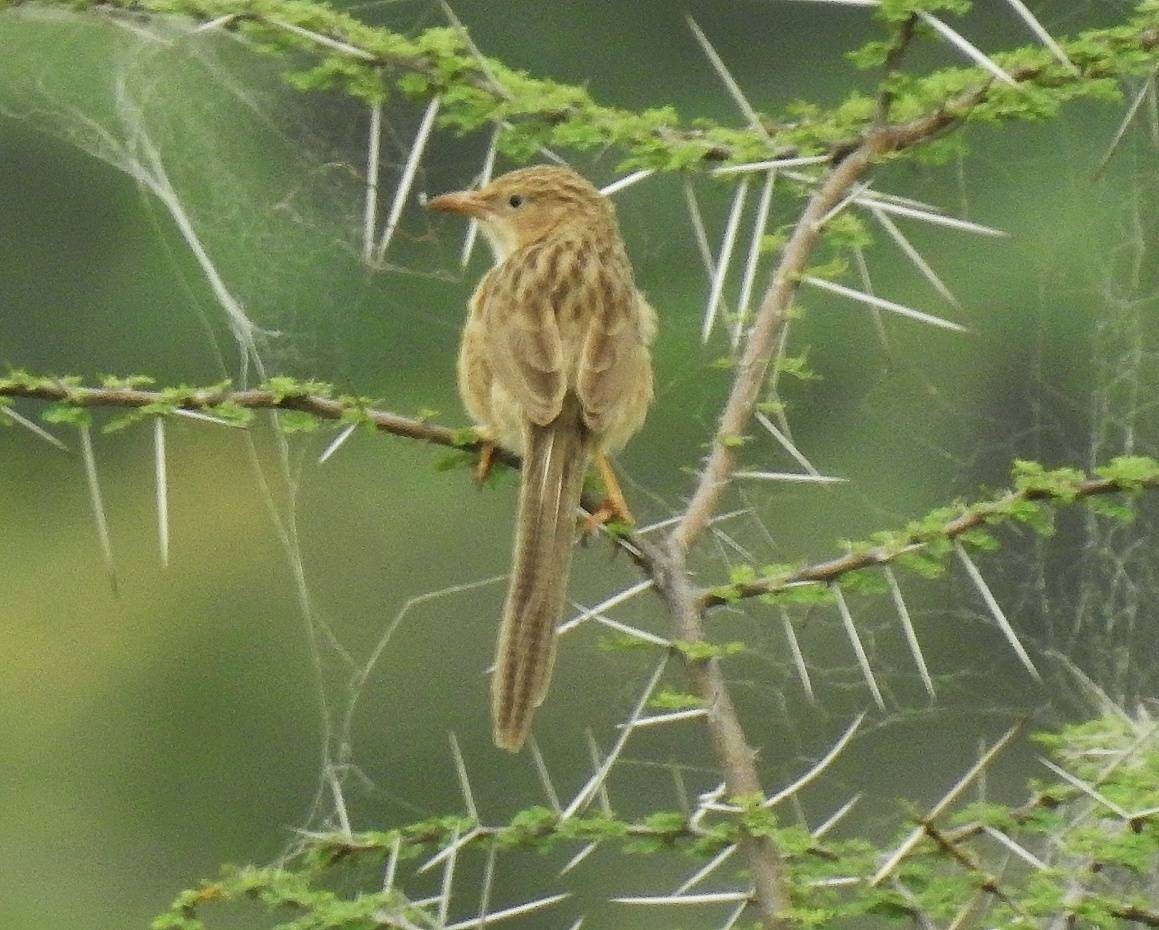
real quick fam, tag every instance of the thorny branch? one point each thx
(666, 564)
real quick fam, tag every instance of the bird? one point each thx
(555, 366)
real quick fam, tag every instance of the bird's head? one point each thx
(532, 204)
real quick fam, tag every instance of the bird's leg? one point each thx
(613, 508)
(487, 450)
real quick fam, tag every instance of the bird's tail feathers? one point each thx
(554, 463)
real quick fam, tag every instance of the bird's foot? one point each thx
(487, 452)
(613, 509)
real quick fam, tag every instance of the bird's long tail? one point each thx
(554, 462)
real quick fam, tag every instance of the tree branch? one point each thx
(976, 516)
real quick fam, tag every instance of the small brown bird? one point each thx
(554, 365)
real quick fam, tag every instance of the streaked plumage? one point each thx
(554, 365)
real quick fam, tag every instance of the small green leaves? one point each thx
(466, 437)
(297, 421)
(701, 651)
(668, 699)
(1131, 472)
(66, 414)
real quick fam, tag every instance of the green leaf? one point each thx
(701, 651)
(297, 421)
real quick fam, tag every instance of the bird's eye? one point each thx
(515, 200)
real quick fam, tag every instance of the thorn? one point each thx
(995, 610)
(593, 784)
(910, 634)
(343, 47)
(496, 916)
(162, 486)
(94, 485)
(798, 656)
(1043, 36)
(370, 210)
(836, 816)
(772, 164)
(337, 443)
(822, 764)
(970, 51)
(484, 177)
(914, 255)
(407, 179)
(627, 181)
(858, 649)
(724, 258)
(544, 777)
(750, 273)
(464, 781)
(726, 77)
(947, 799)
(889, 305)
(32, 427)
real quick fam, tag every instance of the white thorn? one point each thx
(577, 858)
(822, 764)
(613, 601)
(726, 77)
(464, 781)
(715, 897)
(872, 301)
(1043, 36)
(690, 714)
(724, 258)
(871, 199)
(593, 784)
(484, 177)
(343, 47)
(627, 181)
(215, 23)
(495, 916)
(1086, 789)
(836, 816)
(707, 869)
(754, 256)
(392, 863)
(858, 649)
(772, 164)
(162, 488)
(970, 51)
(914, 255)
(1017, 848)
(911, 637)
(544, 776)
(995, 610)
(207, 418)
(947, 799)
(798, 656)
(337, 442)
(407, 178)
(98, 506)
(370, 210)
(788, 476)
(32, 427)
(787, 444)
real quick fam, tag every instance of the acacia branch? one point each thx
(834, 569)
(219, 399)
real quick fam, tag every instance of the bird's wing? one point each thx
(522, 334)
(614, 345)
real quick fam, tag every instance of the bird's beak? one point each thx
(465, 203)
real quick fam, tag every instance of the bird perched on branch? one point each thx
(554, 366)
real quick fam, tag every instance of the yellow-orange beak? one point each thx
(465, 203)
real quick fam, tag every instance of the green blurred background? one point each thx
(148, 737)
